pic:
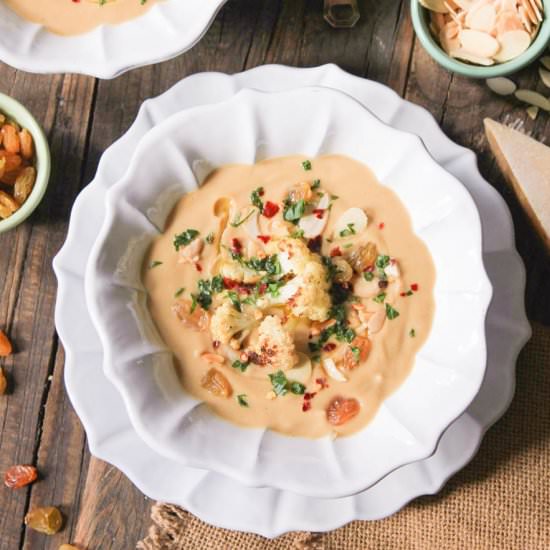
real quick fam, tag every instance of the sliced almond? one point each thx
(501, 85)
(533, 98)
(479, 44)
(462, 54)
(251, 225)
(376, 321)
(525, 19)
(353, 219)
(545, 76)
(332, 370)
(507, 21)
(532, 112)
(482, 19)
(512, 44)
(545, 61)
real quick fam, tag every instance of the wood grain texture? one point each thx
(82, 117)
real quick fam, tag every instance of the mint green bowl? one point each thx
(420, 18)
(13, 109)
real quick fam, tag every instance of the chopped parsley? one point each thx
(368, 276)
(234, 297)
(356, 353)
(240, 365)
(306, 165)
(255, 198)
(382, 261)
(217, 283)
(237, 220)
(185, 238)
(298, 234)
(412, 333)
(154, 263)
(340, 330)
(270, 264)
(293, 211)
(242, 399)
(379, 299)
(210, 238)
(205, 290)
(391, 312)
(350, 230)
(281, 385)
(332, 270)
(179, 292)
(316, 184)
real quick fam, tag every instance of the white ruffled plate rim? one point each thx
(273, 513)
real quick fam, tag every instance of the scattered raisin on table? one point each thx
(3, 382)
(5, 345)
(47, 520)
(19, 476)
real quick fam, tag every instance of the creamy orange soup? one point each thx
(70, 17)
(293, 293)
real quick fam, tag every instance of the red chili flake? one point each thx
(261, 192)
(216, 344)
(322, 382)
(262, 288)
(270, 209)
(402, 294)
(198, 267)
(244, 289)
(335, 252)
(229, 283)
(414, 287)
(319, 213)
(309, 396)
(381, 225)
(264, 238)
(306, 406)
(315, 244)
(236, 246)
(331, 346)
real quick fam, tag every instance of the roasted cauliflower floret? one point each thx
(239, 273)
(311, 299)
(294, 255)
(228, 323)
(274, 346)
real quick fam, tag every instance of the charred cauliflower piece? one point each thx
(239, 273)
(307, 293)
(275, 346)
(228, 323)
(311, 299)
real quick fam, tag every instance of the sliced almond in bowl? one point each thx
(512, 44)
(480, 44)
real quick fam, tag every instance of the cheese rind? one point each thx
(525, 164)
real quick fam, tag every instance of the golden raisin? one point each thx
(301, 191)
(216, 383)
(363, 257)
(47, 520)
(24, 183)
(357, 353)
(20, 475)
(5, 345)
(340, 410)
(198, 319)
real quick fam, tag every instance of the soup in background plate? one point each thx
(293, 293)
(70, 17)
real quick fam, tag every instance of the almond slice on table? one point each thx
(479, 44)
(532, 112)
(545, 76)
(482, 19)
(525, 164)
(533, 98)
(512, 44)
(464, 55)
(501, 85)
(545, 61)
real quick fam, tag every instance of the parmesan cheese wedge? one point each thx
(525, 164)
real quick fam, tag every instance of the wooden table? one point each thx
(82, 116)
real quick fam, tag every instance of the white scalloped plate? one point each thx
(252, 126)
(166, 30)
(219, 500)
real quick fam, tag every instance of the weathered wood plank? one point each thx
(28, 290)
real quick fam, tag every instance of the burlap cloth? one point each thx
(499, 501)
